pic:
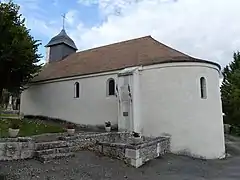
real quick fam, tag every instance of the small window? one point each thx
(203, 87)
(76, 90)
(111, 87)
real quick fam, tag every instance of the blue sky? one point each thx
(201, 28)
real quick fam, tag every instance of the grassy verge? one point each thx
(8, 115)
(29, 127)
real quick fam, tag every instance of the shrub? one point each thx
(70, 126)
(235, 130)
(108, 124)
(135, 134)
(15, 124)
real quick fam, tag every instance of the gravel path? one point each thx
(87, 165)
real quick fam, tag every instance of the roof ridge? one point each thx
(171, 48)
(120, 42)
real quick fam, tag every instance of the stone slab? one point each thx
(136, 162)
(132, 153)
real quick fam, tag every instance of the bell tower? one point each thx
(60, 46)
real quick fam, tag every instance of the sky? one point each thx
(207, 29)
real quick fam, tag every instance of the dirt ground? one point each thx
(87, 165)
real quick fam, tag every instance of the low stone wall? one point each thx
(114, 144)
(90, 140)
(16, 148)
(120, 145)
(136, 155)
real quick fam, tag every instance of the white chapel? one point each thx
(139, 85)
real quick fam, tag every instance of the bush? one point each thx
(108, 124)
(15, 124)
(230, 91)
(235, 130)
(135, 134)
(70, 126)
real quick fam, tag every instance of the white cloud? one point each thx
(47, 29)
(202, 28)
(115, 7)
(32, 5)
(88, 2)
(4, 1)
(71, 16)
(36, 19)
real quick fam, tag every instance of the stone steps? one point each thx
(79, 136)
(50, 157)
(65, 138)
(47, 151)
(51, 145)
(56, 150)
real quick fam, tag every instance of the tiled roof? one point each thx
(135, 52)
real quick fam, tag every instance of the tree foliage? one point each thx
(18, 50)
(230, 91)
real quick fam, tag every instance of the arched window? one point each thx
(110, 87)
(76, 90)
(203, 87)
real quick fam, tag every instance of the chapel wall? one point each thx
(56, 100)
(171, 103)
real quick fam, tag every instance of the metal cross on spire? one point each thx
(64, 17)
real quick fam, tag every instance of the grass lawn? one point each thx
(29, 127)
(8, 115)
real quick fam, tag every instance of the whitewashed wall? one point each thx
(57, 100)
(171, 103)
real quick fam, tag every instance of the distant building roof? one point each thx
(62, 37)
(136, 52)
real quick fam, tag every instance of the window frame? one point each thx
(76, 90)
(203, 88)
(108, 87)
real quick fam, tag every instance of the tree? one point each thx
(230, 91)
(18, 50)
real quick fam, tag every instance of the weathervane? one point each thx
(64, 17)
